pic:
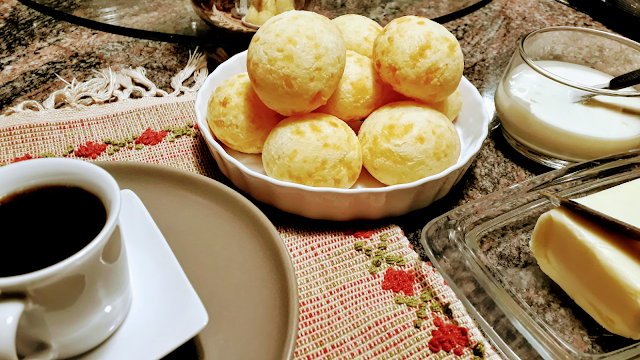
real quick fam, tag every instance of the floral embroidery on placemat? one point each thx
(93, 149)
(446, 334)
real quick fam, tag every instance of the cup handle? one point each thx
(10, 313)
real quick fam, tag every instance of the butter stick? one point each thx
(598, 268)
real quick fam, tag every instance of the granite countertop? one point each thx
(37, 52)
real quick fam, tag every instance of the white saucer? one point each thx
(165, 309)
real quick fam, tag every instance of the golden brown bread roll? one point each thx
(359, 33)
(419, 58)
(238, 118)
(450, 106)
(406, 141)
(315, 150)
(359, 92)
(295, 61)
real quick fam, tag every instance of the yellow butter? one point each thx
(599, 269)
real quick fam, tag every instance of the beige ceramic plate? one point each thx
(233, 256)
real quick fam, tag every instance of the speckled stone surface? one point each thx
(34, 48)
(37, 52)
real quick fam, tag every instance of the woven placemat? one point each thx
(363, 294)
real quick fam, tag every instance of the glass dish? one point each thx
(221, 13)
(550, 68)
(482, 251)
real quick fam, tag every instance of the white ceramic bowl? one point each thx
(368, 198)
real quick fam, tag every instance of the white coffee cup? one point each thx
(70, 307)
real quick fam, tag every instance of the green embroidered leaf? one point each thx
(401, 261)
(412, 301)
(376, 261)
(390, 259)
(426, 295)
(373, 269)
(368, 250)
(435, 306)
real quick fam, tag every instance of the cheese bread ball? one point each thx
(419, 58)
(262, 10)
(313, 149)
(238, 118)
(359, 33)
(450, 106)
(295, 61)
(406, 141)
(258, 17)
(359, 92)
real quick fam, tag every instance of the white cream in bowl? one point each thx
(539, 112)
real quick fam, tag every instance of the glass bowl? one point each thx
(482, 251)
(535, 97)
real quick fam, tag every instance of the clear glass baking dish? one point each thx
(482, 251)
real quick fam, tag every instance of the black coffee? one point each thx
(42, 226)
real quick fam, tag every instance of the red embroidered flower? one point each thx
(25, 157)
(398, 280)
(90, 149)
(448, 337)
(437, 321)
(363, 233)
(150, 137)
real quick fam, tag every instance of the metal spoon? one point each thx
(594, 215)
(619, 82)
